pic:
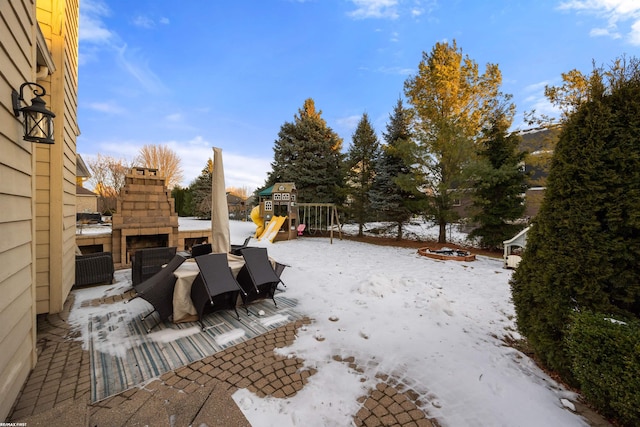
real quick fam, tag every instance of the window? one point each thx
(268, 205)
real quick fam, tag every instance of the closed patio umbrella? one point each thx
(221, 241)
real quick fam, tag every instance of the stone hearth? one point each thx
(145, 216)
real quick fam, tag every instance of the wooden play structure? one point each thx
(320, 218)
(279, 217)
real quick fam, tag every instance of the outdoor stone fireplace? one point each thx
(145, 215)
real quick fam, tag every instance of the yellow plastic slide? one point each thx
(272, 228)
(257, 220)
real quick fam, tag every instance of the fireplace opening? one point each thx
(91, 249)
(145, 241)
(189, 242)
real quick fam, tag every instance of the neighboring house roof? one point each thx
(82, 170)
(540, 139)
(538, 142)
(233, 199)
(81, 191)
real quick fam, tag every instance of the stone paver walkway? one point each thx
(58, 390)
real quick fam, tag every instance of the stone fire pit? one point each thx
(447, 254)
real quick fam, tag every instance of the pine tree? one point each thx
(200, 189)
(388, 198)
(583, 248)
(360, 170)
(307, 152)
(183, 200)
(498, 190)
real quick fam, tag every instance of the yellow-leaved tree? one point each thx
(450, 102)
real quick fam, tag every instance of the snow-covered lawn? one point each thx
(436, 327)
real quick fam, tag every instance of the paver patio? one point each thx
(57, 391)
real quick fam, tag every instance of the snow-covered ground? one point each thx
(434, 326)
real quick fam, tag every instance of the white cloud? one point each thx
(106, 107)
(375, 9)
(143, 22)
(541, 105)
(391, 9)
(634, 36)
(604, 32)
(96, 38)
(133, 63)
(617, 13)
(91, 28)
(396, 70)
(534, 100)
(536, 87)
(349, 123)
(239, 170)
(146, 22)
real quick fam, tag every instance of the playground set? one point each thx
(279, 216)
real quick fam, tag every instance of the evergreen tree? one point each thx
(583, 248)
(389, 199)
(307, 152)
(500, 184)
(201, 192)
(360, 170)
(183, 200)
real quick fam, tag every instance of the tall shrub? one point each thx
(605, 354)
(584, 245)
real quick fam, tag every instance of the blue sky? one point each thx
(197, 74)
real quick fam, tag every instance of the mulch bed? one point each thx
(404, 243)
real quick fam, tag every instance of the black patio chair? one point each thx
(200, 249)
(279, 268)
(214, 288)
(93, 269)
(158, 291)
(237, 249)
(149, 261)
(148, 284)
(257, 277)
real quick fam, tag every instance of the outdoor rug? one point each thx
(124, 355)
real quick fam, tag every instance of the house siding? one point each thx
(37, 182)
(56, 164)
(17, 308)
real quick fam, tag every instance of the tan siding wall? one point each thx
(56, 164)
(86, 203)
(17, 312)
(71, 132)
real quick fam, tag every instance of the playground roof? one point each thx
(266, 192)
(284, 187)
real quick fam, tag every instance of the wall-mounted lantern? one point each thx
(38, 121)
